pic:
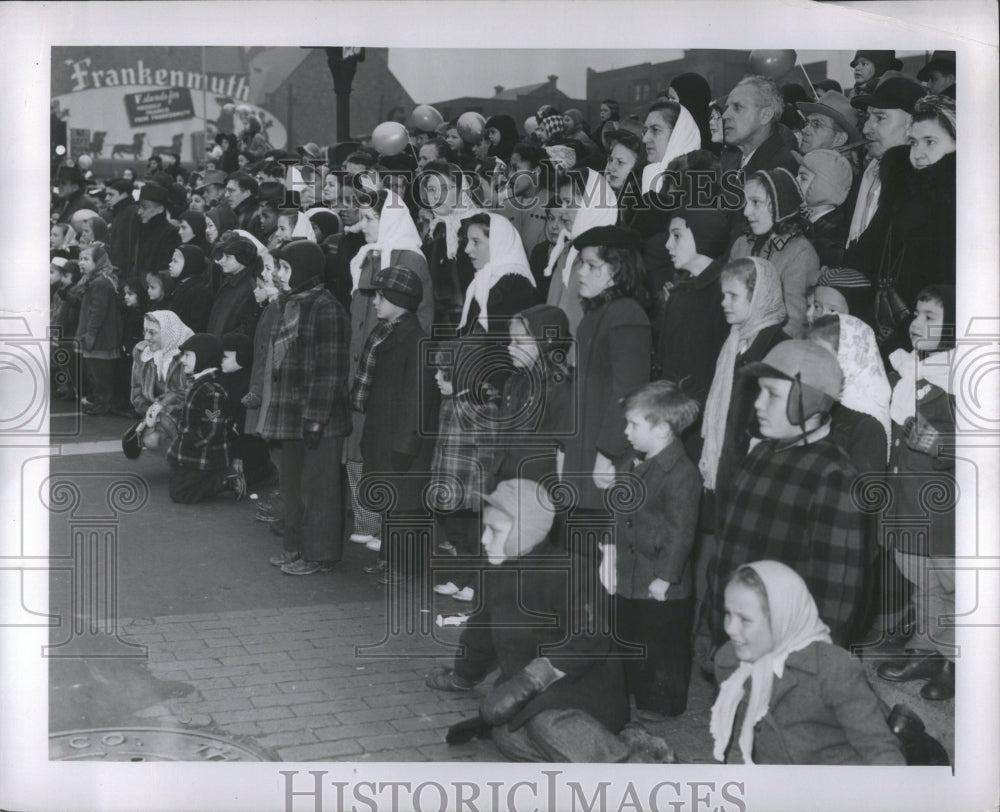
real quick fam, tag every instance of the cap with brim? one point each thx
(310, 150)
(942, 64)
(838, 107)
(611, 236)
(154, 193)
(609, 135)
(814, 365)
(213, 177)
(399, 285)
(895, 93)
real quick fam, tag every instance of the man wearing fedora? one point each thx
(831, 123)
(72, 191)
(938, 75)
(157, 238)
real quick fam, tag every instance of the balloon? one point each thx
(390, 138)
(425, 118)
(471, 126)
(530, 125)
(773, 64)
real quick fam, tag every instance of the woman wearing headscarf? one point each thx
(787, 695)
(391, 241)
(159, 384)
(668, 132)
(692, 92)
(589, 202)
(191, 227)
(192, 298)
(776, 225)
(220, 220)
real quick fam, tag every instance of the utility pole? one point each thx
(343, 62)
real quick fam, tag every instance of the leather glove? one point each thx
(922, 437)
(503, 702)
(312, 432)
(251, 400)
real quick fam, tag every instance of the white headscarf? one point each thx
(506, 257)
(684, 138)
(767, 307)
(935, 369)
(396, 232)
(453, 222)
(599, 208)
(303, 227)
(795, 624)
(866, 387)
(261, 248)
(173, 333)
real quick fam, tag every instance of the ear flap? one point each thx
(795, 407)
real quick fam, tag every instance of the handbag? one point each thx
(131, 441)
(891, 312)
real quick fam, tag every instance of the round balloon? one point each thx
(390, 138)
(530, 125)
(773, 64)
(425, 118)
(471, 127)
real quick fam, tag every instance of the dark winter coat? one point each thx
(99, 329)
(450, 277)
(234, 309)
(828, 236)
(202, 441)
(154, 247)
(123, 236)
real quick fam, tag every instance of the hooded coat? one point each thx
(507, 128)
(192, 298)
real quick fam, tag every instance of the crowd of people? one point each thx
(672, 347)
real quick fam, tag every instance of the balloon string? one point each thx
(808, 80)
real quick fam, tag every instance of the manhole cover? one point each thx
(145, 744)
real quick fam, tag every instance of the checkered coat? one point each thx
(202, 440)
(793, 504)
(312, 383)
(464, 452)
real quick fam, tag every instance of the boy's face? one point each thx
(229, 363)
(55, 275)
(444, 383)
(927, 324)
(772, 409)
(282, 274)
(189, 360)
(645, 436)
(829, 301)
(176, 264)
(499, 544)
(284, 228)
(131, 298)
(386, 310)
(864, 70)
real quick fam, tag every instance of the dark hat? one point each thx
(310, 150)
(207, 349)
(828, 84)
(131, 444)
(273, 192)
(154, 192)
(339, 152)
(941, 61)
(892, 94)
(327, 221)
(882, 60)
(70, 174)
(225, 140)
(241, 249)
(855, 287)
(213, 177)
(399, 285)
(836, 106)
(611, 236)
(710, 228)
(812, 367)
(241, 345)
(307, 261)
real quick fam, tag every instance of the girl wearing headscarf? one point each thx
(99, 330)
(776, 225)
(191, 227)
(501, 131)
(503, 283)
(220, 219)
(192, 298)
(391, 240)
(669, 132)
(90, 227)
(692, 92)
(813, 697)
(326, 228)
(159, 384)
(589, 202)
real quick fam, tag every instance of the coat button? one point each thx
(629, 523)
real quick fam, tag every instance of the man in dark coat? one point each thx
(157, 238)
(234, 309)
(72, 192)
(123, 230)
(750, 125)
(241, 193)
(309, 411)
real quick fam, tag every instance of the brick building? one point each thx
(518, 102)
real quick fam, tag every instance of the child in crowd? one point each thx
(159, 286)
(249, 450)
(192, 295)
(200, 453)
(653, 545)
(841, 290)
(923, 428)
(64, 274)
(135, 304)
(99, 331)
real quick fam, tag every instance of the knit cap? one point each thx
(241, 345)
(833, 176)
(207, 349)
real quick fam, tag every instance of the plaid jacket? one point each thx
(202, 441)
(312, 383)
(793, 505)
(464, 452)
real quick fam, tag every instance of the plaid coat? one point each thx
(202, 441)
(464, 452)
(312, 383)
(793, 504)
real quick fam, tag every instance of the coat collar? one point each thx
(666, 459)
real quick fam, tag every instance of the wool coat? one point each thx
(613, 359)
(260, 375)
(192, 301)
(154, 246)
(505, 632)
(148, 388)
(234, 309)
(123, 235)
(202, 441)
(822, 711)
(450, 277)
(99, 329)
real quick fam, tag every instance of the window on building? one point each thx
(641, 91)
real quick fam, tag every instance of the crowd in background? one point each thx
(740, 308)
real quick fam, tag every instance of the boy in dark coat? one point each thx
(234, 308)
(250, 451)
(200, 453)
(396, 392)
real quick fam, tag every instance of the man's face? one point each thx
(148, 210)
(113, 197)
(268, 220)
(497, 528)
(235, 194)
(743, 117)
(66, 189)
(428, 153)
(939, 81)
(885, 129)
(821, 132)
(772, 409)
(213, 193)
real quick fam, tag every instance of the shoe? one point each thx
(283, 558)
(360, 538)
(265, 516)
(919, 747)
(651, 717)
(376, 568)
(917, 665)
(374, 544)
(327, 566)
(644, 747)
(301, 567)
(466, 594)
(942, 686)
(277, 527)
(445, 679)
(390, 578)
(236, 481)
(446, 589)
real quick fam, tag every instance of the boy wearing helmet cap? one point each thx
(791, 500)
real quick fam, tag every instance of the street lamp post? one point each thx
(343, 62)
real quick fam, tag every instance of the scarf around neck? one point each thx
(795, 624)
(396, 232)
(767, 307)
(507, 258)
(173, 333)
(684, 138)
(365, 374)
(599, 208)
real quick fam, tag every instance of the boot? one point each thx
(941, 686)
(919, 747)
(917, 665)
(644, 747)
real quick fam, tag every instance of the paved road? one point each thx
(293, 668)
